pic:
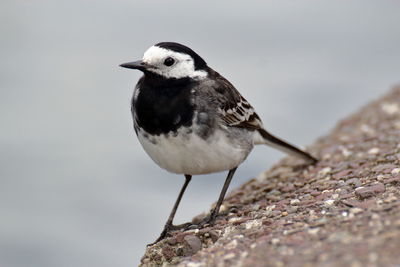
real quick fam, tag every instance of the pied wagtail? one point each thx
(190, 120)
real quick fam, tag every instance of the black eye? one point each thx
(169, 61)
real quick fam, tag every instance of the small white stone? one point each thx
(253, 223)
(270, 208)
(345, 151)
(195, 264)
(275, 241)
(329, 202)
(223, 208)
(313, 231)
(380, 177)
(234, 219)
(324, 171)
(375, 216)
(390, 198)
(239, 236)
(390, 108)
(373, 257)
(326, 156)
(262, 177)
(228, 230)
(373, 151)
(356, 210)
(294, 202)
(395, 171)
(229, 256)
(232, 244)
(367, 129)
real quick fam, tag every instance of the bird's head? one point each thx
(171, 61)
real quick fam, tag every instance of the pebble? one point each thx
(293, 209)
(275, 213)
(391, 198)
(369, 191)
(193, 243)
(329, 202)
(315, 193)
(294, 202)
(356, 210)
(232, 244)
(335, 196)
(395, 171)
(223, 208)
(313, 231)
(172, 241)
(346, 152)
(275, 241)
(274, 192)
(373, 151)
(253, 223)
(214, 235)
(270, 208)
(324, 171)
(354, 181)
(229, 256)
(393, 181)
(367, 129)
(390, 108)
(381, 177)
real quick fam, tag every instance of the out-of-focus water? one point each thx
(76, 188)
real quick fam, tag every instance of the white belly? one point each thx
(188, 153)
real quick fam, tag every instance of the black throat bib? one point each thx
(163, 105)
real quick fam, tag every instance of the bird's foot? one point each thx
(208, 220)
(168, 228)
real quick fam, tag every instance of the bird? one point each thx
(190, 120)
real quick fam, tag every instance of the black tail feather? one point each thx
(286, 147)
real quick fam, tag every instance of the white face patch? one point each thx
(183, 66)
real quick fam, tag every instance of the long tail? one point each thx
(286, 147)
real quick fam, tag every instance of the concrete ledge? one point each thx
(343, 211)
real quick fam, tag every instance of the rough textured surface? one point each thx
(344, 211)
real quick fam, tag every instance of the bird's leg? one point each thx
(168, 225)
(214, 212)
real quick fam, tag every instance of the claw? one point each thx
(209, 220)
(167, 229)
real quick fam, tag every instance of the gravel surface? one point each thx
(344, 211)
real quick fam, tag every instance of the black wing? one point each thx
(234, 109)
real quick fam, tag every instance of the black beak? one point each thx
(138, 65)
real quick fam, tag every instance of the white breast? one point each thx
(188, 153)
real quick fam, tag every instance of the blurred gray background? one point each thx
(76, 188)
